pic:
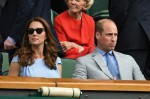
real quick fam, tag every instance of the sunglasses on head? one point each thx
(31, 30)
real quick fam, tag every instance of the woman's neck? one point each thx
(38, 52)
(77, 16)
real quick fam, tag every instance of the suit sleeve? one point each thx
(137, 74)
(80, 70)
(23, 13)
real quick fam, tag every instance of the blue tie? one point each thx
(110, 65)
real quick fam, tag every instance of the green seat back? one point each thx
(99, 9)
(98, 6)
(5, 65)
(101, 15)
(53, 15)
(67, 67)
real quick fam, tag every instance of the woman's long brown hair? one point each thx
(50, 52)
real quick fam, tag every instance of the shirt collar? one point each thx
(103, 52)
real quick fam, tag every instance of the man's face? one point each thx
(106, 40)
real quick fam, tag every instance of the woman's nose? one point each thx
(73, 1)
(34, 33)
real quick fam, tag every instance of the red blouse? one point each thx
(80, 32)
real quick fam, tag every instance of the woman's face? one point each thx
(76, 6)
(36, 33)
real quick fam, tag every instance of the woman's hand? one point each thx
(68, 45)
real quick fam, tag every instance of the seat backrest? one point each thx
(68, 66)
(5, 64)
(98, 6)
(99, 9)
(101, 15)
(1, 61)
(53, 15)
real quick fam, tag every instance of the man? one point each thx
(132, 18)
(96, 65)
(13, 19)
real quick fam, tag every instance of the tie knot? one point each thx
(108, 53)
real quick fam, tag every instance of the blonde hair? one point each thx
(88, 5)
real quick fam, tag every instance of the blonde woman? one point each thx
(75, 29)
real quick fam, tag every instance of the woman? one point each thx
(75, 29)
(37, 56)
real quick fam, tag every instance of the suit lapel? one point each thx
(97, 57)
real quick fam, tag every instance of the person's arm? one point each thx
(80, 70)
(70, 45)
(24, 11)
(60, 70)
(9, 44)
(137, 74)
(14, 69)
(90, 45)
(62, 38)
(59, 66)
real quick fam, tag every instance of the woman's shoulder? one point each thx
(86, 15)
(88, 18)
(63, 14)
(61, 17)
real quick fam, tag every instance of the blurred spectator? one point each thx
(2, 3)
(13, 18)
(132, 18)
(75, 29)
(58, 6)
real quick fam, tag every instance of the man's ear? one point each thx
(97, 35)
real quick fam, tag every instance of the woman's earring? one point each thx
(45, 42)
